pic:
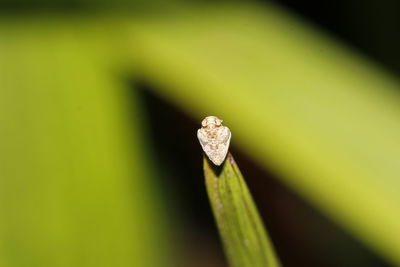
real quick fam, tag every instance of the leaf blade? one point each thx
(330, 136)
(245, 240)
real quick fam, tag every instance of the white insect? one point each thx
(214, 139)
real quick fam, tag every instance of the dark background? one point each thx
(302, 235)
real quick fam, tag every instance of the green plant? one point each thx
(245, 240)
(73, 170)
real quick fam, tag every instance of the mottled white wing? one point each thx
(202, 138)
(224, 146)
(215, 149)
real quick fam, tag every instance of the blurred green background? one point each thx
(100, 102)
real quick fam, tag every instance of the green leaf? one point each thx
(299, 103)
(245, 240)
(75, 185)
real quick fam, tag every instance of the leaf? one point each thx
(245, 240)
(75, 182)
(300, 104)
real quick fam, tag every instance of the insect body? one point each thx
(214, 139)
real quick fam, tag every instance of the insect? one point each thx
(214, 139)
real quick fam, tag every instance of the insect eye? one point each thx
(204, 123)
